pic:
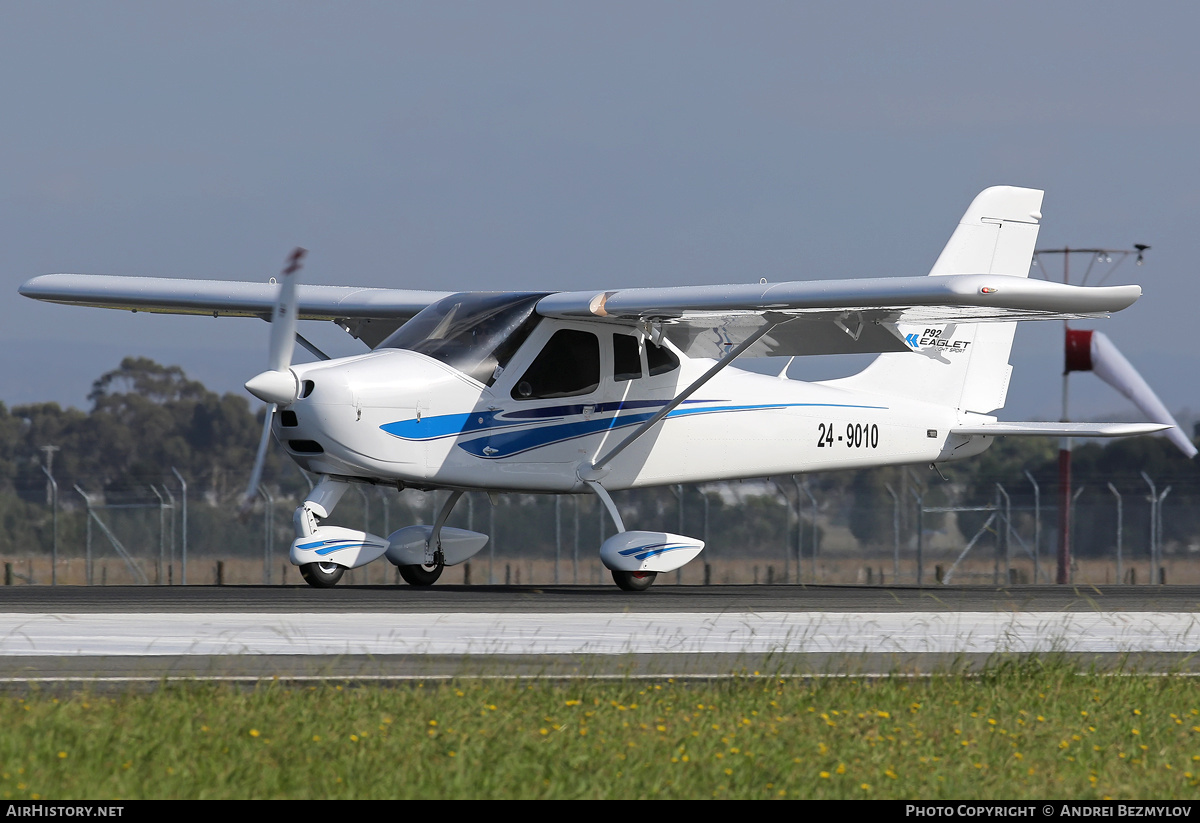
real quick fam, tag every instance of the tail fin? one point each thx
(965, 365)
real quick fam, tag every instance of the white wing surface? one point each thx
(368, 313)
(835, 316)
(981, 276)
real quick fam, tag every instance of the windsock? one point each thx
(1093, 351)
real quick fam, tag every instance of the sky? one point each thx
(543, 145)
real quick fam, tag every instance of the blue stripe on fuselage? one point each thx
(509, 444)
(542, 426)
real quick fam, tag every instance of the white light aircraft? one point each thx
(599, 391)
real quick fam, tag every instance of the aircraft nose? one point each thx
(279, 387)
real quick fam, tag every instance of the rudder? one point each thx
(965, 365)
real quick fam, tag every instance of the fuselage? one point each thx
(399, 416)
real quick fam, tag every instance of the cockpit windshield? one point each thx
(474, 332)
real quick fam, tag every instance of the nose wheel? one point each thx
(421, 575)
(633, 581)
(322, 575)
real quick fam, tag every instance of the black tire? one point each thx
(322, 575)
(421, 575)
(634, 581)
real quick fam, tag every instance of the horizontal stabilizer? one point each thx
(1062, 429)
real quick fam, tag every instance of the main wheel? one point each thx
(634, 581)
(421, 575)
(322, 575)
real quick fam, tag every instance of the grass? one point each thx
(1022, 730)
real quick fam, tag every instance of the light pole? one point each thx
(1095, 256)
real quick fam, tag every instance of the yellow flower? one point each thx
(254, 732)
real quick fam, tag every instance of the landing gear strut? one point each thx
(636, 558)
(427, 573)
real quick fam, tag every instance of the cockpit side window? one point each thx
(568, 365)
(660, 359)
(627, 359)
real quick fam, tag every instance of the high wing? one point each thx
(820, 317)
(833, 316)
(981, 276)
(370, 314)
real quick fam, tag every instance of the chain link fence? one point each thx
(782, 530)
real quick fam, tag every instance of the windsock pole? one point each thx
(1078, 358)
(1063, 574)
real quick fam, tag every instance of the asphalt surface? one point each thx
(125, 671)
(439, 599)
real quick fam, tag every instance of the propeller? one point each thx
(277, 386)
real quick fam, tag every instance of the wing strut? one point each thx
(313, 350)
(773, 320)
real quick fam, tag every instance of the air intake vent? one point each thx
(287, 419)
(305, 447)
(306, 388)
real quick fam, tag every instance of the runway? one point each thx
(148, 634)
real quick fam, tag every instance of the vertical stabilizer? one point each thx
(965, 365)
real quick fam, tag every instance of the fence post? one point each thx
(1120, 529)
(268, 532)
(557, 534)
(87, 562)
(160, 570)
(816, 541)
(54, 526)
(895, 532)
(1037, 527)
(183, 546)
